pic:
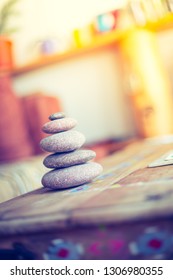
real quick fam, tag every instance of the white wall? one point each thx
(89, 86)
(90, 90)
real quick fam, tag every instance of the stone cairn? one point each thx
(70, 163)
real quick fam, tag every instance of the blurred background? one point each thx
(107, 63)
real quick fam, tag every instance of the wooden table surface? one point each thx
(127, 190)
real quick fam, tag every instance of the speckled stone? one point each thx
(59, 125)
(72, 176)
(58, 115)
(68, 159)
(63, 142)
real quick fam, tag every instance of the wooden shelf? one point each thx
(162, 24)
(99, 42)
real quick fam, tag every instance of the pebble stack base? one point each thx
(72, 176)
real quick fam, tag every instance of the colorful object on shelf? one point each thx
(51, 45)
(47, 47)
(83, 36)
(63, 250)
(71, 164)
(107, 21)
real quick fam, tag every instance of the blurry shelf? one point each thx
(100, 42)
(162, 24)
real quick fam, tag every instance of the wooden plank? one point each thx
(118, 195)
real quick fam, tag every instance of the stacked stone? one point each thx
(71, 166)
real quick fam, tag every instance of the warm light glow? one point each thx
(152, 94)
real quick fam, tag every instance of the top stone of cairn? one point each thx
(56, 116)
